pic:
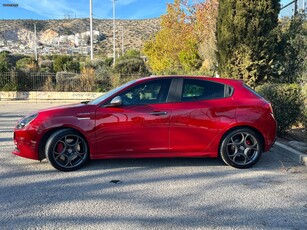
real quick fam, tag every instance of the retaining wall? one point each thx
(39, 95)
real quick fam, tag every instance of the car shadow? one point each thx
(152, 163)
(268, 160)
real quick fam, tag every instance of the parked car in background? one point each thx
(173, 116)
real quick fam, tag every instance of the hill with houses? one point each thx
(72, 36)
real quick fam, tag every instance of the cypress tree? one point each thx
(246, 39)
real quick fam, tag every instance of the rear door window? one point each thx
(194, 89)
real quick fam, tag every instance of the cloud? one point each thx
(146, 9)
(62, 8)
(124, 2)
(104, 8)
(47, 8)
(145, 13)
(58, 9)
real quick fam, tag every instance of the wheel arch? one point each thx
(44, 139)
(242, 127)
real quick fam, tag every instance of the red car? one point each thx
(153, 117)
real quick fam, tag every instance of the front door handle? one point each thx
(158, 113)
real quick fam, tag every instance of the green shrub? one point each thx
(60, 61)
(303, 118)
(46, 66)
(26, 64)
(109, 61)
(129, 66)
(4, 64)
(10, 87)
(72, 66)
(287, 103)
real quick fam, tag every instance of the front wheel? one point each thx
(67, 150)
(241, 148)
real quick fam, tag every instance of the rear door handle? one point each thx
(158, 113)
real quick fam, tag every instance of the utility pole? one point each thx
(122, 40)
(114, 39)
(91, 29)
(295, 8)
(34, 43)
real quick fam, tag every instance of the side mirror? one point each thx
(116, 101)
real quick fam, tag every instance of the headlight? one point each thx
(23, 122)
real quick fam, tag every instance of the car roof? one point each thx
(231, 82)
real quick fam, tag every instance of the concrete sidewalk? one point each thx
(286, 150)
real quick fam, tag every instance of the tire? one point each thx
(67, 150)
(241, 148)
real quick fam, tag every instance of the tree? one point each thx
(27, 64)
(59, 62)
(176, 47)
(247, 39)
(132, 53)
(163, 50)
(65, 63)
(293, 49)
(204, 16)
(4, 63)
(189, 57)
(72, 66)
(131, 63)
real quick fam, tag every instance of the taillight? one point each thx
(269, 107)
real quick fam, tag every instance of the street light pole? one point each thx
(295, 6)
(114, 32)
(91, 29)
(35, 43)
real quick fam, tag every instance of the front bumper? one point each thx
(26, 143)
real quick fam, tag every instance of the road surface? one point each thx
(150, 193)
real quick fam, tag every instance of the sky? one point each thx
(102, 9)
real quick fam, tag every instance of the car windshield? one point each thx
(110, 93)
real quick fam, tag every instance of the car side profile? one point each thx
(172, 116)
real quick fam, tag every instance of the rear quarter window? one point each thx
(194, 89)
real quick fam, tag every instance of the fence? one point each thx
(18, 81)
(60, 82)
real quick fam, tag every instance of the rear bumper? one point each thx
(270, 133)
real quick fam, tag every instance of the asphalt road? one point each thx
(152, 193)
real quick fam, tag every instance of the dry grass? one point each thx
(87, 79)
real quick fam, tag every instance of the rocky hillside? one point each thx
(20, 33)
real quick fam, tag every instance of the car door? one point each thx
(140, 126)
(202, 110)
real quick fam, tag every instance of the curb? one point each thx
(291, 153)
(41, 101)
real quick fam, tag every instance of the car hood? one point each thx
(68, 110)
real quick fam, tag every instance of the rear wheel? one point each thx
(241, 148)
(67, 150)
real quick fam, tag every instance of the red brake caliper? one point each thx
(60, 147)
